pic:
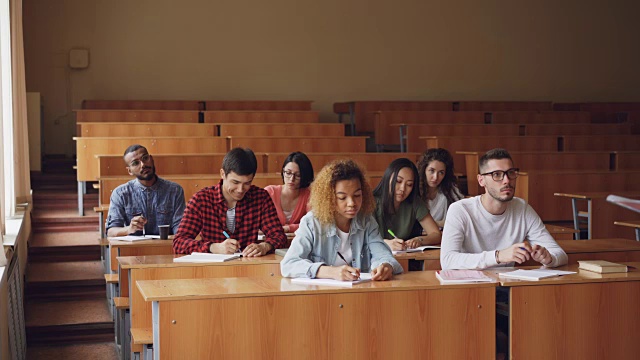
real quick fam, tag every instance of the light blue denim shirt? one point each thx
(162, 204)
(316, 245)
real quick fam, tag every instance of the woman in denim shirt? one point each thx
(339, 237)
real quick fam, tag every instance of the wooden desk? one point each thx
(582, 316)
(134, 248)
(615, 250)
(561, 232)
(250, 318)
(160, 267)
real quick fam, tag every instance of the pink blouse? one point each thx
(275, 191)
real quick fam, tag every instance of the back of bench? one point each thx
(415, 131)
(577, 129)
(544, 117)
(269, 144)
(261, 105)
(88, 147)
(219, 117)
(383, 119)
(505, 106)
(364, 111)
(485, 143)
(154, 116)
(121, 129)
(282, 129)
(191, 184)
(627, 160)
(142, 104)
(173, 164)
(602, 143)
(538, 161)
(377, 162)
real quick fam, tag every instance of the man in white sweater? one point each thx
(490, 229)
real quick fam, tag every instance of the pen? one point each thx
(226, 234)
(345, 261)
(142, 216)
(391, 233)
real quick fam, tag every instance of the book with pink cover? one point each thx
(631, 204)
(461, 276)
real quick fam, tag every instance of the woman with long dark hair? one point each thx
(399, 208)
(438, 183)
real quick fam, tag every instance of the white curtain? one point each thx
(22, 178)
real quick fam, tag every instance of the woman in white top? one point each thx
(438, 184)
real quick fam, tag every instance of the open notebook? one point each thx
(135, 238)
(418, 249)
(197, 257)
(364, 277)
(534, 275)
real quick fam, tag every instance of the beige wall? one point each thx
(328, 51)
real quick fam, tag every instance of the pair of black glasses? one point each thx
(498, 175)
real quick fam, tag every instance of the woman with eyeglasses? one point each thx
(400, 208)
(291, 199)
(339, 237)
(438, 184)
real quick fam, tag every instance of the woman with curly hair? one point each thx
(399, 208)
(438, 184)
(339, 237)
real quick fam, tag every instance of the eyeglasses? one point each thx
(498, 175)
(143, 159)
(288, 174)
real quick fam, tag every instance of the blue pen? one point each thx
(225, 234)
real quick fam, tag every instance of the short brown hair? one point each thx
(493, 154)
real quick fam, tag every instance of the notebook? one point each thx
(418, 249)
(461, 276)
(364, 277)
(197, 257)
(135, 238)
(534, 275)
(631, 204)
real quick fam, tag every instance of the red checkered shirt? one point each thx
(206, 214)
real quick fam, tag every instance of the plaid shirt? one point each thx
(206, 214)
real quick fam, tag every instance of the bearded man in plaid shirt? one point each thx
(227, 216)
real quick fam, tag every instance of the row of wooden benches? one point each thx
(361, 112)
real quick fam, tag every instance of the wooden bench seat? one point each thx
(111, 278)
(261, 105)
(306, 144)
(126, 129)
(282, 129)
(153, 116)
(142, 104)
(219, 117)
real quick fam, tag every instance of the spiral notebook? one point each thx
(364, 277)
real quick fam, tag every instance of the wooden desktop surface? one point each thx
(410, 317)
(582, 316)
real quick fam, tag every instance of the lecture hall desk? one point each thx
(582, 316)
(411, 317)
(615, 250)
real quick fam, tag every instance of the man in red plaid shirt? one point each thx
(229, 215)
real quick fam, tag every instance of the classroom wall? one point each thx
(328, 51)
